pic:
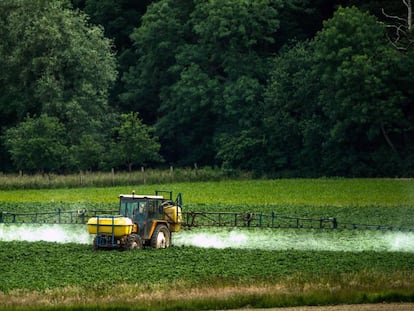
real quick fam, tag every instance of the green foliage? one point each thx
(258, 193)
(242, 152)
(190, 103)
(118, 18)
(156, 40)
(134, 144)
(38, 144)
(87, 155)
(204, 71)
(53, 62)
(42, 266)
(360, 93)
(234, 26)
(64, 272)
(337, 105)
(224, 83)
(293, 122)
(140, 178)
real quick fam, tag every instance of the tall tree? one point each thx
(52, 61)
(201, 69)
(118, 19)
(162, 31)
(38, 145)
(294, 125)
(341, 105)
(134, 143)
(363, 94)
(238, 37)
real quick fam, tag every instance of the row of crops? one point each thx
(42, 266)
(400, 216)
(331, 266)
(312, 192)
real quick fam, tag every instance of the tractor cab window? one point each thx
(123, 209)
(153, 210)
(128, 208)
(141, 208)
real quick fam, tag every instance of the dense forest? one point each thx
(277, 87)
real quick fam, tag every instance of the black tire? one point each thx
(133, 242)
(161, 237)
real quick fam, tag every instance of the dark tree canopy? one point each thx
(38, 144)
(346, 89)
(52, 61)
(277, 87)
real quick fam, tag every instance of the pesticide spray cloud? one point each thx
(45, 232)
(352, 241)
(264, 239)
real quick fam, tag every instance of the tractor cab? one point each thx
(143, 210)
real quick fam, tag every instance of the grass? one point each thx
(311, 192)
(134, 297)
(112, 179)
(209, 300)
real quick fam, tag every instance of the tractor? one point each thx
(143, 220)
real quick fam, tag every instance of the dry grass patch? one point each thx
(289, 292)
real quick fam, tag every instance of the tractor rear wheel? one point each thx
(161, 237)
(133, 242)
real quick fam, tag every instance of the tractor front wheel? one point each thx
(161, 237)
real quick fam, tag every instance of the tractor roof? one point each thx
(135, 196)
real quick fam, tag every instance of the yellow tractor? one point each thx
(143, 220)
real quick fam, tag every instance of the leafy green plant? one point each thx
(42, 266)
(318, 275)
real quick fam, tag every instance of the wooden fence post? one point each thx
(144, 180)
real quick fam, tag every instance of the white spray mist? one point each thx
(267, 239)
(45, 232)
(264, 239)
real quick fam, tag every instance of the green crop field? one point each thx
(217, 268)
(320, 192)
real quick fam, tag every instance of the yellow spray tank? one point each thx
(173, 214)
(107, 225)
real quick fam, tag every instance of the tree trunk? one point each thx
(409, 14)
(402, 27)
(387, 138)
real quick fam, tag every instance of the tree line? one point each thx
(276, 87)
